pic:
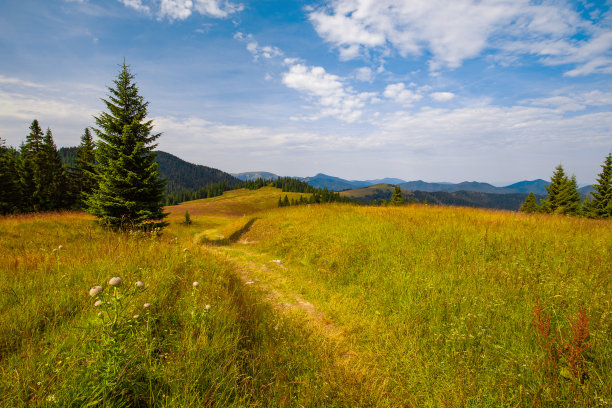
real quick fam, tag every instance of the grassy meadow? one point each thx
(314, 306)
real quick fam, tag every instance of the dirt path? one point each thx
(268, 276)
(263, 274)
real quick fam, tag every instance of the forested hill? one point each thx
(180, 174)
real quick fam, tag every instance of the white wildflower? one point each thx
(196, 284)
(98, 303)
(136, 316)
(60, 247)
(207, 307)
(146, 305)
(95, 291)
(140, 284)
(116, 281)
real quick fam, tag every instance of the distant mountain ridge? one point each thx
(511, 201)
(255, 175)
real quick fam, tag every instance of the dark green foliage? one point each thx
(129, 192)
(563, 196)
(289, 184)
(569, 197)
(84, 176)
(601, 204)
(207, 191)
(530, 205)
(182, 175)
(53, 191)
(68, 156)
(187, 218)
(10, 197)
(30, 167)
(397, 197)
(551, 203)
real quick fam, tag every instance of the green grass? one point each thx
(410, 306)
(239, 352)
(439, 301)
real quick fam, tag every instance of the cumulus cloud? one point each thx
(258, 51)
(182, 9)
(399, 93)
(442, 96)
(454, 31)
(327, 90)
(136, 5)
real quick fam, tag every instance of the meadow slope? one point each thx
(319, 305)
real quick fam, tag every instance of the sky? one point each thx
(438, 90)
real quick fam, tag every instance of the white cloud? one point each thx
(182, 9)
(442, 96)
(399, 93)
(457, 30)
(136, 5)
(572, 102)
(327, 90)
(266, 51)
(364, 74)
(4, 80)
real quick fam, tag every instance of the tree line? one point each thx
(564, 197)
(34, 178)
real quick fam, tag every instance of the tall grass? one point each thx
(214, 345)
(435, 306)
(439, 301)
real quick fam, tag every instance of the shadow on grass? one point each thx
(232, 238)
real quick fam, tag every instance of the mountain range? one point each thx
(184, 175)
(378, 192)
(332, 183)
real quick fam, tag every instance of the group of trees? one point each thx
(293, 185)
(117, 181)
(34, 178)
(564, 197)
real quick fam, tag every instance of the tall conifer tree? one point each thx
(569, 197)
(10, 197)
(551, 203)
(397, 197)
(601, 204)
(129, 193)
(531, 204)
(30, 167)
(84, 172)
(53, 191)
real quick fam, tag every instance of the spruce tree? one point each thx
(397, 198)
(601, 204)
(10, 198)
(551, 203)
(84, 172)
(530, 205)
(569, 197)
(53, 191)
(130, 193)
(30, 167)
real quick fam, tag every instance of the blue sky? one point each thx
(488, 90)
